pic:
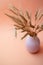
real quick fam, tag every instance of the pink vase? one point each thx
(32, 44)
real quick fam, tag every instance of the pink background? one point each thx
(13, 50)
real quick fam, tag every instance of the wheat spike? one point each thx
(13, 11)
(36, 14)
(15, 32)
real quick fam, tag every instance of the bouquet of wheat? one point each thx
(24, 22)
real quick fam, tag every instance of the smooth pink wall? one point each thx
(12, 50)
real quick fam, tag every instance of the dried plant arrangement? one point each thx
(25, 24)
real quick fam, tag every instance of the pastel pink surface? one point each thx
(13, 50)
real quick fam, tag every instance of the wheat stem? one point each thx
(24, 36)
(41, 16)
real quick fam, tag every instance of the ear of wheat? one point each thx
(24, 24)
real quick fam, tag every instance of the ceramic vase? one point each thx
(33, 44)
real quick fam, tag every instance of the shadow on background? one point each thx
(41, 48)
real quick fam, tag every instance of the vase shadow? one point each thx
(41, 49)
